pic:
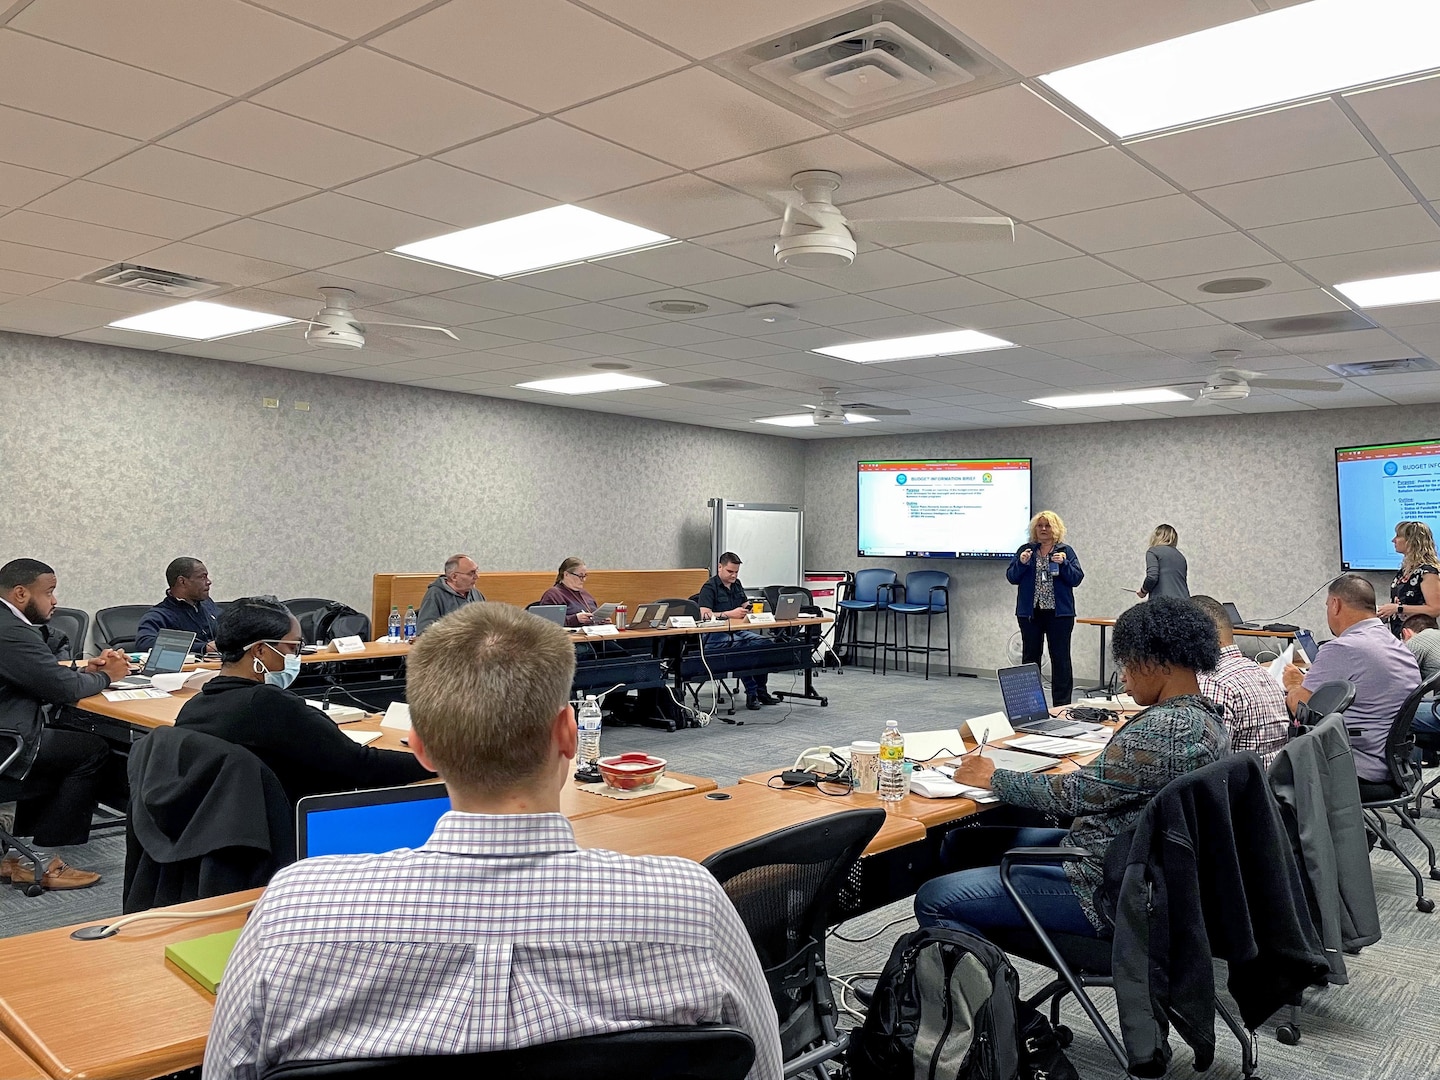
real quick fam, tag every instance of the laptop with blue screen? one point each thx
(1025, 707)
(368, 822)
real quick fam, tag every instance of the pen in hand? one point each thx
(984, 741)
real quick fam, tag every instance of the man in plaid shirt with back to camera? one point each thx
(1253, 702)
(498, 932)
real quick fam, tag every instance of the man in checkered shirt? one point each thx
(498, 932)
(1253, 702)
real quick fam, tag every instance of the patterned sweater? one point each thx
(1105, 797)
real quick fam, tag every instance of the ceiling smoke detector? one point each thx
(1230, 285)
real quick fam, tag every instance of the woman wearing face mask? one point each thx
(247, 704)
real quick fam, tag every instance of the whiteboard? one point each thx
(768, 537)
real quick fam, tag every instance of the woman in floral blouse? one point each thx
(1416, 588)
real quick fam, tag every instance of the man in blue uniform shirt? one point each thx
(724, 597)
(187, 606)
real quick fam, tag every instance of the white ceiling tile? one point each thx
(250, 136)
(428, 311)
(1067, 185)
(1276, 306)
(1271, 144)
(308, 284)
(734, 319)
(1324, 192)
(771, 287)
(682, 264)
(106, 297)
(978, 134)
(381, 98)
(1038, 36)
(1154, 221)
(1196, 343)
(75, 237)
(953, 292)
(575, 57)
(526, 157)
(641, 303)
(408, 275)
(44, 262)
(600, 317)
(1423, 168)
(692, 118)
(265, 240)
(703, 29)
(864, 173)
(31, 315)
(1044, 333)
(13, 283)
(1178, 317)
(839, 310)
(18, 184)
(602, 344)
(1359, 265)
(683, 206)
(1405, 117)
(1000, 315)
(350, 19)
(186, 178)
(276, 303)
(542, 352)
(753, 243)
(881, 269)
(444, 193)
(370, 225)
(222, 44)
(1029, 247)
(529, 328)
(590, 281)
(216, 265)
(1133, 297)
(1064, 275)
(1283, 278)
(513, 297)
(52, 80)
(42, 142)
(1365, 231)
(118, 208)
(1225, 251)
(673, 334)
(896, 326)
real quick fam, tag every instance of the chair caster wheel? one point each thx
(33, 890)
(1435, 873)
(1288, 1034)
(1425, 904)
(1063, 1036)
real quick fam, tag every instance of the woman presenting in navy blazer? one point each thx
(1047, 571)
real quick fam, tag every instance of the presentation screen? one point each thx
(942, 509)
(1379, 486)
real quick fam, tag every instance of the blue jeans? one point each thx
(974, 900)
(736, 639)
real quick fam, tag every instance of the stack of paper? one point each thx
(936, 785)
(1053, 746)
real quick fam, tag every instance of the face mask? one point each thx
(286, 675)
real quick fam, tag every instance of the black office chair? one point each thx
(691, 607)
(1402, 789)
(12, 748)
(1330, 697)
(786, 886)
(75, 625)
(679, 1053)
(116, 627)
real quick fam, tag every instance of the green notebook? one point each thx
(204, 958)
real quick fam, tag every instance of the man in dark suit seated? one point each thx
(59, 770)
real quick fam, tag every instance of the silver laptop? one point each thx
(788, 606)
(1025, 708)
(167, 655)
(553, 612)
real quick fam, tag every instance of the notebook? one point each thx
(204, 958)
(368, 822)
(1024, 697)
(167, 656)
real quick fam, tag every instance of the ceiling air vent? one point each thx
(147, 280)
(1403, 366)
(855, 67)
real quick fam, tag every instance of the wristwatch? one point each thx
(1399, 611)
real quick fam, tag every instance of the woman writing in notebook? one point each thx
(1159, 646)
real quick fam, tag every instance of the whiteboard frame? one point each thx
(718, 542)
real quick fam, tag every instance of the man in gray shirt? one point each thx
(1365, 654)
(449, 592)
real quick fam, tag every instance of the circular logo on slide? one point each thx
(1391, 468)
(900, 478)
(986, 478)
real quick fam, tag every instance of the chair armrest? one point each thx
(1032, 856)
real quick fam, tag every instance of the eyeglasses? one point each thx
(577, 575)
(284, 648)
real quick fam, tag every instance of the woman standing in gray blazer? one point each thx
(1165, 567)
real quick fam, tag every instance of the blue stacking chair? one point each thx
(872, 592)
(927, 593)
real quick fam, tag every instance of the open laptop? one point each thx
(788, 606)
(553, 612)
(1025, 707)
(368, 822)
(648, 617)
(167, 655)
(1236, 620)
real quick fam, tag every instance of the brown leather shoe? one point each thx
(57, 876)
(8, 865)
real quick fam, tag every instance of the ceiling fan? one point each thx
(1229, 383)
(336, 327)
(829, 410)
(815, 234)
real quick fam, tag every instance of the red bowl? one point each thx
(633, 771)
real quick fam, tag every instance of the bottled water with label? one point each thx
(892, 763)
(394, 634)
(589, 724)
(411, 625)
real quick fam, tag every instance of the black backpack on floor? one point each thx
(947, 1007)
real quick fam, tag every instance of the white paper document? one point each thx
(1277, 666)
(364, 738)
(936, 785)
(133, 695)
(991, 727)
(924, 745)
(1054, 747)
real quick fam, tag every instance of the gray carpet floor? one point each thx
(1383, 1025)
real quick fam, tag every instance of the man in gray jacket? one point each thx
(449, 592)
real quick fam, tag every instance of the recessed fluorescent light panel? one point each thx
(1288, 55)
(200, 320)
(1116, 397)
(554, 237)
(909, 348)
(808, 419)
(600, 383)
(1390, 291)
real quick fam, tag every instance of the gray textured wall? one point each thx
(114, 461)
(1253, 498)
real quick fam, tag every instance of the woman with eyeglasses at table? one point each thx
(569, 589)
(1159, 646)
(248, 704)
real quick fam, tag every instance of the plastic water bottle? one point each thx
(411, 625)
(589, 723)
(394, 634)
(892, 763)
